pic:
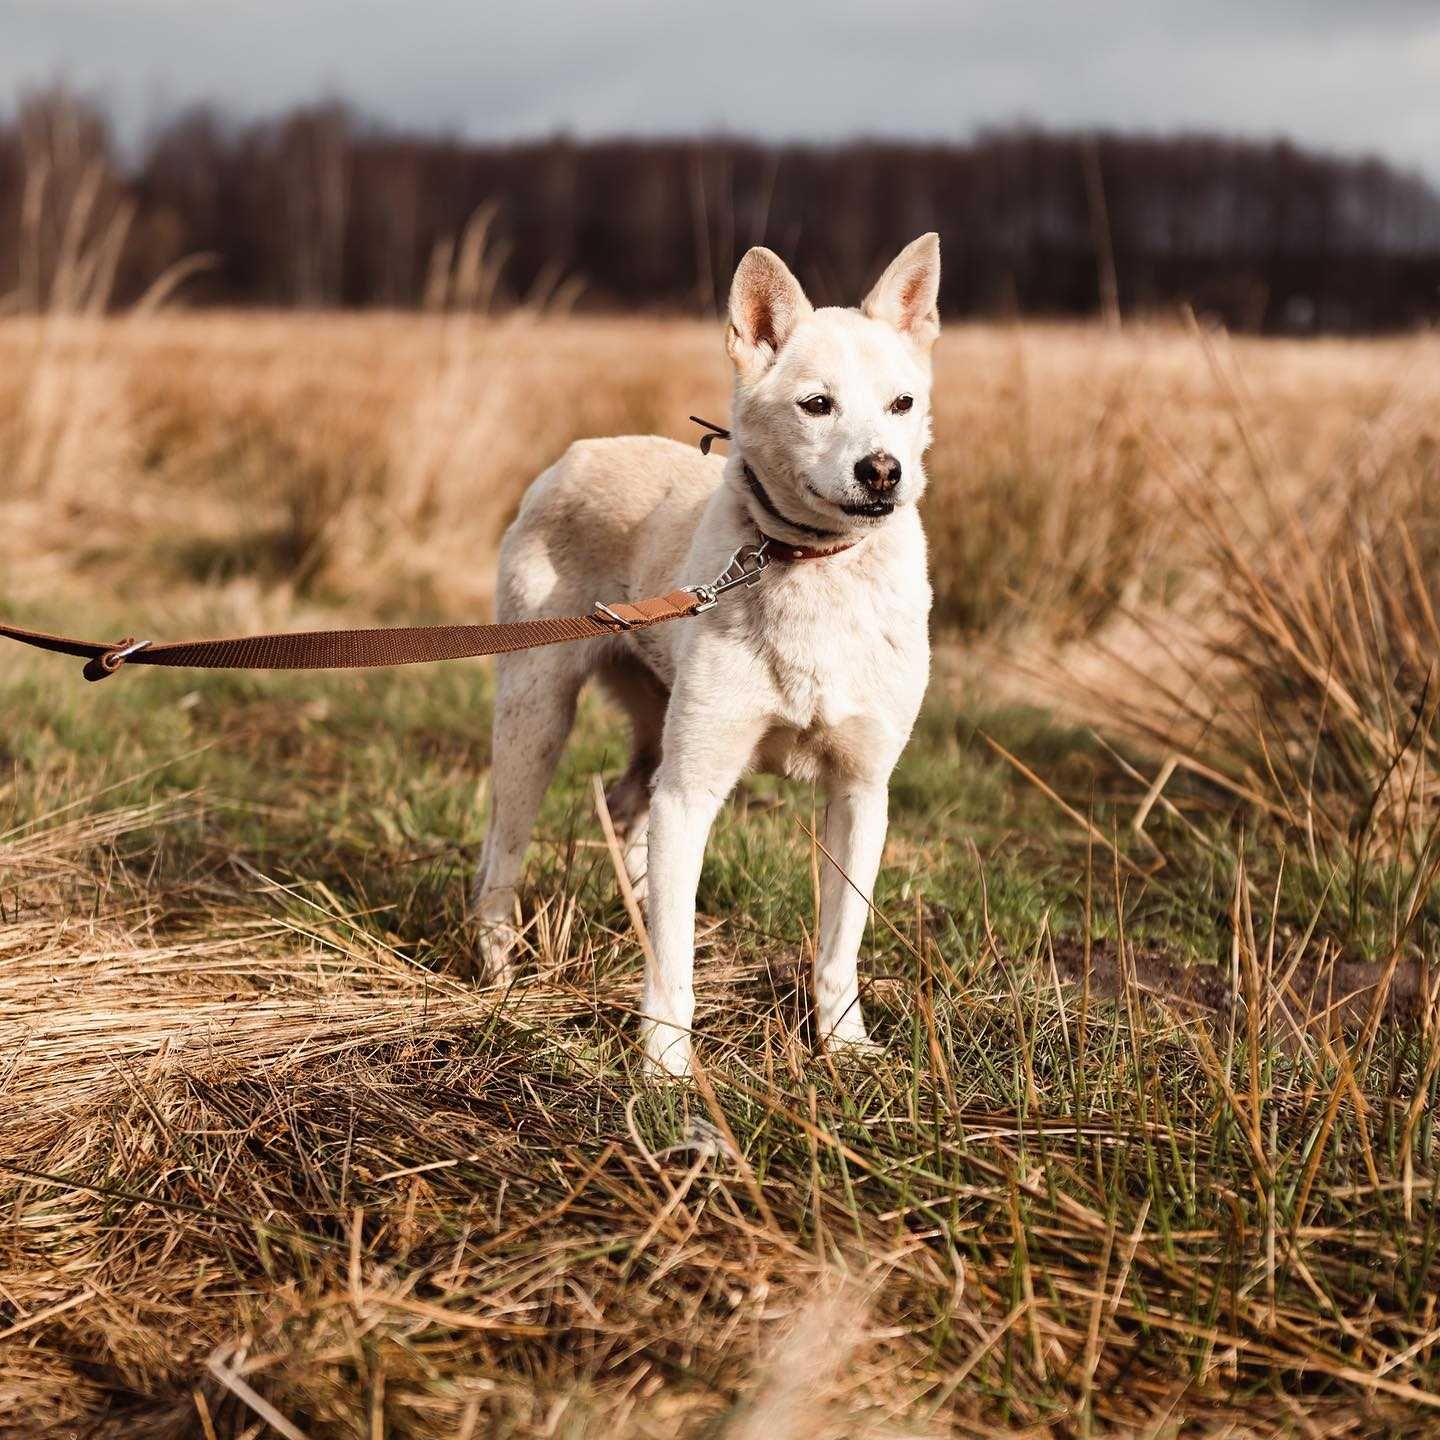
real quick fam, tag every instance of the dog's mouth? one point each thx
(858, 509)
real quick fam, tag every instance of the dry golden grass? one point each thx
(263, 1164)
(358, 446)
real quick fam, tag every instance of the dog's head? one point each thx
(832, 407)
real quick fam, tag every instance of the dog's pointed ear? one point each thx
(907, 295)
(766, 304)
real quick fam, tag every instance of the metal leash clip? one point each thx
(743, 568)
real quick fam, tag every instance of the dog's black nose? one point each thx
(878, 472)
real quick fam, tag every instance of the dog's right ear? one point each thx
(907, 295)
(766, 304)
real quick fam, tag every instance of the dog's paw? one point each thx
(667, 1053)
(492, 961)
(852, 1049)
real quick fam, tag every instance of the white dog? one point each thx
(816, 670)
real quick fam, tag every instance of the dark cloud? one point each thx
(1354, 77)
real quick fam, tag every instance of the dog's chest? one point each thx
(817, 666)
(847, 665)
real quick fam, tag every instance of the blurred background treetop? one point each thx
(316, 207)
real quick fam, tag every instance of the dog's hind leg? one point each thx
(643, 698)
(535, 695)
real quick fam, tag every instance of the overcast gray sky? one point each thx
(1351, 75)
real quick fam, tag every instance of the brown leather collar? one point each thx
(783, 550)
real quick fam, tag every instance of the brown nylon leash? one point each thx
(422, 644)
(362, 649)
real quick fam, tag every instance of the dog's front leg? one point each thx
(855, 824)
(706, 749)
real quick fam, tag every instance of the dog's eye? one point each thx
(902, 404)
(817, 405)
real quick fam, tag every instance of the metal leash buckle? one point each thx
(743, 568)
(609, 614)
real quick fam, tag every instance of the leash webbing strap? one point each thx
(422, 644)
(363, 649)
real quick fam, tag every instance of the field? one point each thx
(1151, 1148)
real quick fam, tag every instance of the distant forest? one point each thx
(316, 207)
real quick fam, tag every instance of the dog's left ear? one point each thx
(907, 295)
(766, 304)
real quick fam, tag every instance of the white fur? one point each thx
(817, 671)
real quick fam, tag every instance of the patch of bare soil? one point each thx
(1342, 991)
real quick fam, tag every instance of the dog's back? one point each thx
(611, 520)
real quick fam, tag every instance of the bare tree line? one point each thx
(317, 208)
